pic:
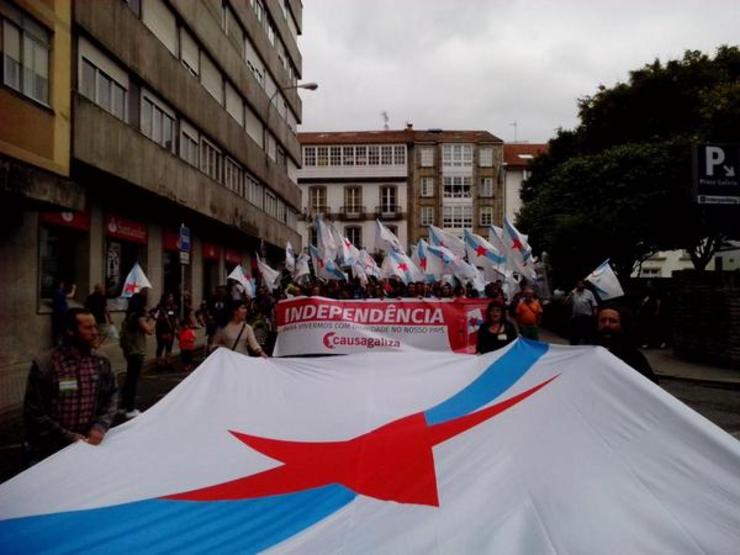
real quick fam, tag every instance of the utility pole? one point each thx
(514, 125)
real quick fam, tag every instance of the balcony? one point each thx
(350, 213)
(319, 210)
(389, 212)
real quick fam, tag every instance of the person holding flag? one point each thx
(137, 324)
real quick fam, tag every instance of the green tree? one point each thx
(619, 185)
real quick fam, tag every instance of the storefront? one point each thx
(64, 244)
(211, 263)
(171, 266)
(125, 245)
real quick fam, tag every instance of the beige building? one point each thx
(120, 122)
(409, 179)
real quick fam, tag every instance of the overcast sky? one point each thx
(473, 64)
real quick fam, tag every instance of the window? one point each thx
(101, 89)
(189, 52)
(189, 146)
(373, 155)
(427, 186)
(62, 253)
(388, 199)
(254, 127)
(486, 215)
(234, 104)
(233, 177)
(386, 155)
(486, 187)
(161, 21)
(457, 186)
(427, 156)
(352, 199)
(457, 216)
(254, 62)
(309, 156)
(427, 215)
(361, 155)
(259, 9)
(271, 204)
(348, 155)
(233, 29)
(335, 156)
(254, 191)
(354, 234)
(211, 160)
(322, 156)
(157, 122)
(317, 199)
(399, 155)
(457, 155)
(211, 79)
(486, 156)
(25, 54)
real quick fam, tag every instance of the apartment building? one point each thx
(123, 120)
(407, 178)
(517, 157)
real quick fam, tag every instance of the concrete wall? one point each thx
(126, 38)
(106, 143)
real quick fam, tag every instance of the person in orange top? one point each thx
(529, 315)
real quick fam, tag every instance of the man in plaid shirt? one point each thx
(71, 392)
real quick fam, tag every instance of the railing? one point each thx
(389, 212)
(352, 213)
(309, 213)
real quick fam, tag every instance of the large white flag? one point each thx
(456, 266)
(398, 264)
(302, 270)
(136, 280)
(527, 450)
(385, 239)
(324, 267)
(482, 253)
(270, 276)
(605, 282)
(441, 238)
(325, 240)
(247, 283)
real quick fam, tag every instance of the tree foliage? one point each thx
(619, 184)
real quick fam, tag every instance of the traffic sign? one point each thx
(184, 242)
(717, 173)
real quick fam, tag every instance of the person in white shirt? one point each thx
(583, 308)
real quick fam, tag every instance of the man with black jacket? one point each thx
(611, 335)
(71, 392)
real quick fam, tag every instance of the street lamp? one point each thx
(310, 86)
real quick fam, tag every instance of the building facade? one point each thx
(517, 157)
(123, 120)
(409, 179)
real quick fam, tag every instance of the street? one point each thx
(720, 404)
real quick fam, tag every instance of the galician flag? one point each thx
(325, 240)
(431, 266)
(302, 269)
(247, 283)
(398, 264)
(456, 266)
(270, 276)
(136, 280)
(532, 449)
(325, 268)
(369, 266)
(483, 254)
(518, 251)
(605, 282)
(440, 238)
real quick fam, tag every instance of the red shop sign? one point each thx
(75, 220)
(233, 256)
(129, 230)
(211, 251)
(170, 240)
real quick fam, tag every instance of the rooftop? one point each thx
(522, 154)
(408, 135)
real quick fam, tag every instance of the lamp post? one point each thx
(311, 86)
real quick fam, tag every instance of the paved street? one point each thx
(720, 404)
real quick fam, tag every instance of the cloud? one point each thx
(485, 64)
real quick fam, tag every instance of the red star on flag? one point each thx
(394, 462)
(129, 288)
(423, 263)
(480, 250)
(403, 267)
(517, 244)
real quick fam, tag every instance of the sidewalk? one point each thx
(666, 365)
